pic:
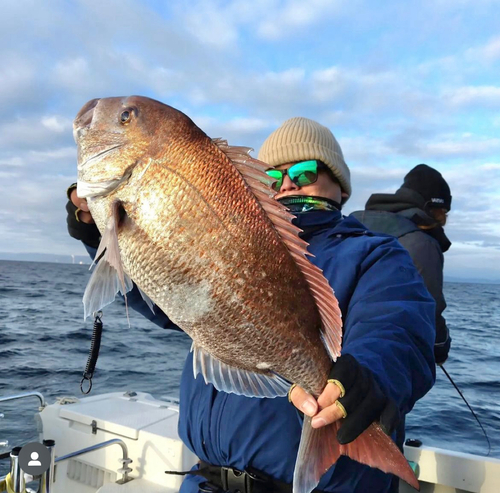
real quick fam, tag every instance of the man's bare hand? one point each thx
(84, 213)
(324, 411)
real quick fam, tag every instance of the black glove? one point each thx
(364, 400)
(443, 341)
(441, 351)
(88, 233)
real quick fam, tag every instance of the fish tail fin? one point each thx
(319, 449)
(376, 449)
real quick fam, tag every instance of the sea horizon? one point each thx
(85, 260)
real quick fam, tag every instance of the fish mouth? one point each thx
(98, 155)
(88, 190)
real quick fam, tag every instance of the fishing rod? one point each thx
(468, 405)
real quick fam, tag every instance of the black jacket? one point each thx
(402, 215)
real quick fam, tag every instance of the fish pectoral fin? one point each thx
(234, 380)
(108, 277)
(102, 288)
(319, 449)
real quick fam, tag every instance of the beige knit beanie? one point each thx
(300, 139)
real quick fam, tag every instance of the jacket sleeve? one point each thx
(389, 323)
(429, 260)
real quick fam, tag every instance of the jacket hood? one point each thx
(409, 204)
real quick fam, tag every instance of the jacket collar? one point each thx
(310, 222)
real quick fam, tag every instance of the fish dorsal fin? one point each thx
(254, 174)
(234, 380)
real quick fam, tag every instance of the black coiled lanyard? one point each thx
(95, 345)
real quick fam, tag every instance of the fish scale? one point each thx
(203, 221)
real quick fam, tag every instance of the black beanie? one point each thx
(429, 183)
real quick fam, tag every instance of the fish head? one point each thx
(113, 135)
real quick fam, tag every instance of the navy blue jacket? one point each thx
(388, 320)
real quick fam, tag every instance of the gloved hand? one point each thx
(443, 343)
(441, 351)
(80, 223)
(364, 401)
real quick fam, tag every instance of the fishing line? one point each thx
(468, 405)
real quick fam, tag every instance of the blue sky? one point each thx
(398, 83)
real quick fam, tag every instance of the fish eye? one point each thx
(126, 116)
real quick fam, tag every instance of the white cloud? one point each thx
(221, 25)
(209, 25)
(8, 175)
(34, 132)
(460, 147)
(490, 52)
(283, 19)
(474, 95)
(57, 123)
(71, 69)
(13, 161)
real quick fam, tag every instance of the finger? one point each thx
(303, 401)
(327, 416)
(329, 395)
(85, 217)
(80, 203)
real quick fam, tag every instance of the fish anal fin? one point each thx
(319, 449)
(234, 380)
(101, 289)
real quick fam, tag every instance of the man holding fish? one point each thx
(207, 234)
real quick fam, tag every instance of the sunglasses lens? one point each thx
(277, 175)
(304, 173)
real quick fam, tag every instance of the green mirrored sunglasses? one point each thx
(301, 174)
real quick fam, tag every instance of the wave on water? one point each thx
(45, 344)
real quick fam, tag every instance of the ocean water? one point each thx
(44, 344)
